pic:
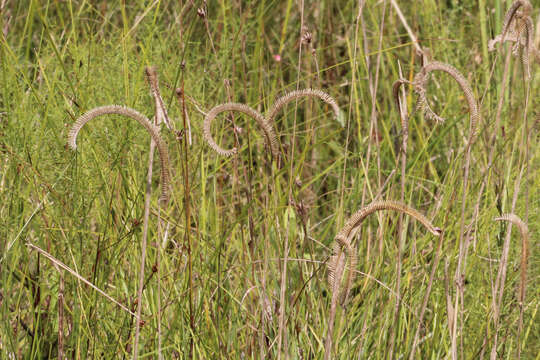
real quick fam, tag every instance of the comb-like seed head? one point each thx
(141, 119)
(268, 131)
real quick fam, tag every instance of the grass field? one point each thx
(235, 263)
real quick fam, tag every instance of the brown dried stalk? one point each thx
(403, 115)
(61, 355)
(141, 119)
(524, 231)
(271, 139)
(343, 246)
(160, 116)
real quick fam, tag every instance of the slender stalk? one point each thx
(498, 290)
(420, 82)
(61, 355)
(283, 284)
(159, 118)
(146, 216)
(524, 231)
(402, 108)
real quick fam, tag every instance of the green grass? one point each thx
(62, 58)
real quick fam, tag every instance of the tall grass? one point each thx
(235, 263)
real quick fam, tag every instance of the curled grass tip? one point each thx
(141, 119)
(270, 136)
(524, 231)
(293, 95)
(420, 87)
(344, 237)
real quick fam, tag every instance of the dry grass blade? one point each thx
(141, 119)
(402, 108)
(524, 231)
(271, 139)
(74, 273)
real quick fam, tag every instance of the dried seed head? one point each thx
(270, 136)
(141, 119)
(287, 98)
(420, 85)
(307, 38)
(201, 13)
(344, 240)
(518, 28)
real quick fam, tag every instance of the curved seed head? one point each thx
(270, 136)
(141, 119)
(293, 95)
(343, 241)
(420, 83)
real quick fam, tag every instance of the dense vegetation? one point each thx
(236, 259)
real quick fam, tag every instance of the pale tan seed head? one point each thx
(141, 119)
(344, 239)
(420, 87)
(270, 136)
(518, 28)
(293, 95)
